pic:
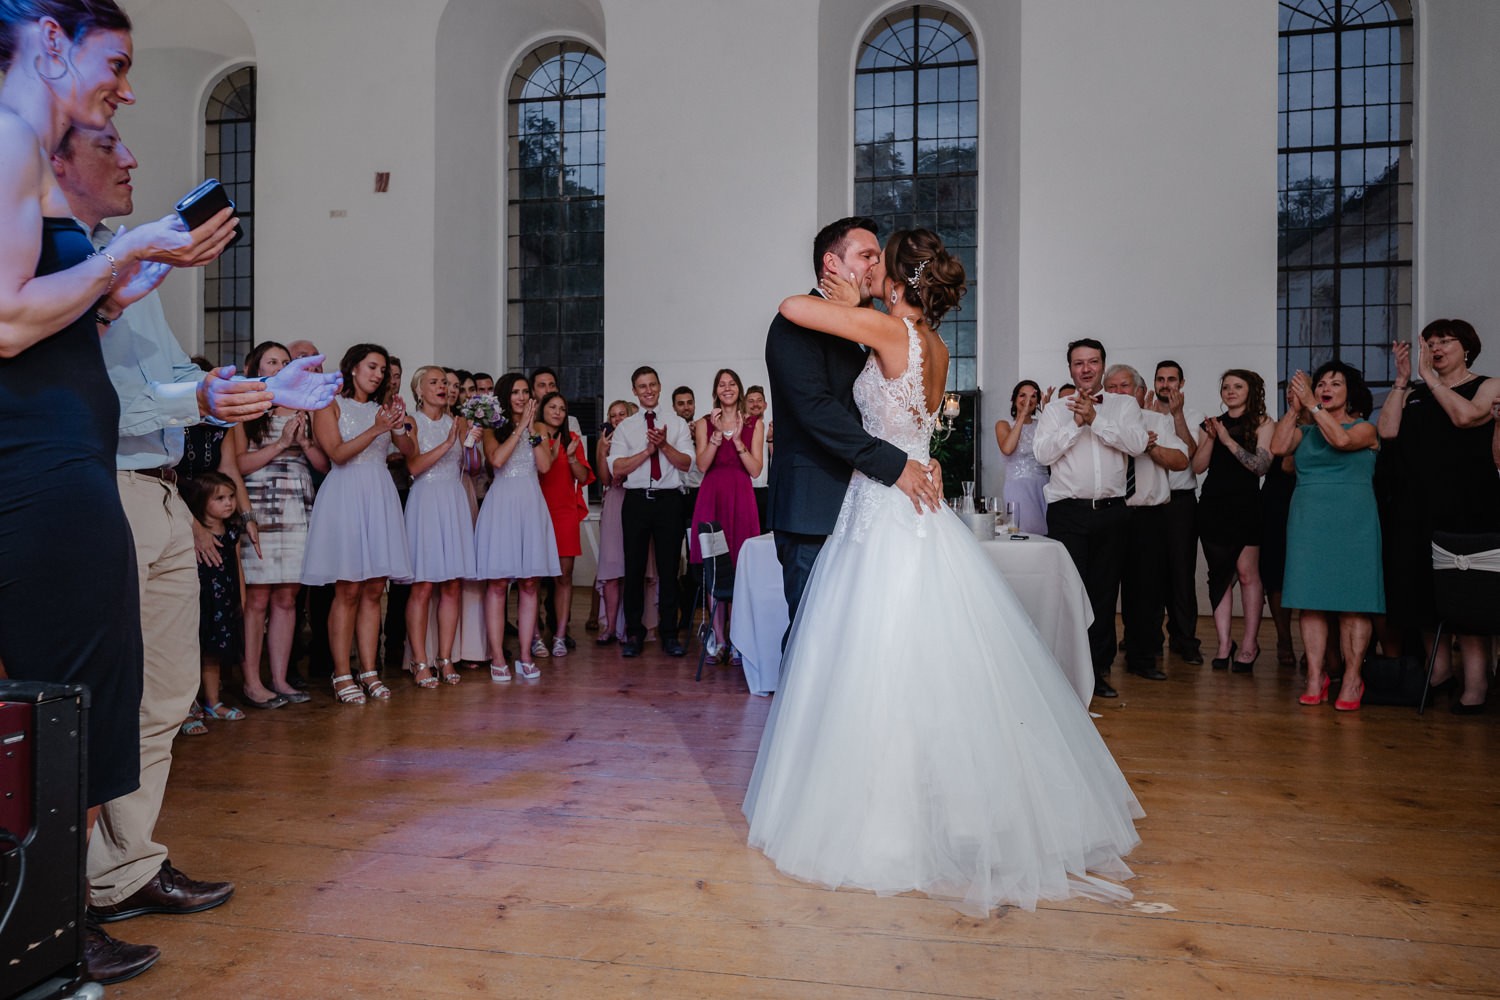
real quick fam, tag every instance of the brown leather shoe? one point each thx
(112, 961)
(169, 892)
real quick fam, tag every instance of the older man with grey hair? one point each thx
(1143, 583)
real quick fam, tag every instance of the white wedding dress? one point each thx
(923, 736)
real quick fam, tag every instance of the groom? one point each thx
(820, 439)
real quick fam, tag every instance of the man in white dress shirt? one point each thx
(1086, 438)
(1143, 581)
(651, 450)
(685, 405)
(1182, 517)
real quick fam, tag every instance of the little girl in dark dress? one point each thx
(221, 597)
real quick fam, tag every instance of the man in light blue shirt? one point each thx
(161, 392)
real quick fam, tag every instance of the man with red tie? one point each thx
(1090, 440)
(651, 450)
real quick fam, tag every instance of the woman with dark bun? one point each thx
(924, 736)
(1442, 435)
(1333, 528)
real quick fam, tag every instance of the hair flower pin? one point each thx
(916, 275)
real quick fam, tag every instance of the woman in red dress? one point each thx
(562, 486)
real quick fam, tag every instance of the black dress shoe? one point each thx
(1103, 690)
(169, 892)
(630, 648)
(1150, 671)
(112, 961)
(673, 646)
(1194, 657)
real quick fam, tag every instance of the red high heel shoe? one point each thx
(1320, 697)
(1351, 706)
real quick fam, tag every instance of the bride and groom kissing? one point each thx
(923, 736)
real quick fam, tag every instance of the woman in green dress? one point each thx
(1333, 532)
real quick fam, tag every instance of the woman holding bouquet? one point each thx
(513, 540)
(439, 526)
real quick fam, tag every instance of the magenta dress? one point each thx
(728, 497)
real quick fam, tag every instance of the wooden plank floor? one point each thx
(582, 837)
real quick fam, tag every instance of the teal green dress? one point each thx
(1333, 531)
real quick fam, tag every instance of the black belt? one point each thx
(1099, 504)
(165, 475)
(650, 492)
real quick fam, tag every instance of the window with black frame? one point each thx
(1344, 159)
(229, 282)
(555, 280)
(916, 148)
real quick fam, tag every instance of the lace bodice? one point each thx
(522, 461)
(430, 434)
(895, 409)
(354, 419)
(1023, 464)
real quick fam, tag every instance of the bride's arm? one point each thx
(885, 335)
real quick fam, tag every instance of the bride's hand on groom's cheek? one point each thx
(839, 290)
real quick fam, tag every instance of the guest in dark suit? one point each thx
(820, 438)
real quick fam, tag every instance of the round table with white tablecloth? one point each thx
(1038, 569)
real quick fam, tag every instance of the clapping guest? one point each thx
(1234, 454)
(731, 448)
(685, 405)
(755, 406)
(1445, 481)
(1181, 554)
(357, 536)
(611, 566)
(1025, 477)
(562, 488)
(513, 539)
(277, 457)
(1333, 512)
(439, 527)
(393, 623)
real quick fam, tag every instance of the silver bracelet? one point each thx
(114, 270)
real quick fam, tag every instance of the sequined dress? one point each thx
(1024, 479)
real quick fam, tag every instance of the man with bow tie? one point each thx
(1090, 440)
(651, 449)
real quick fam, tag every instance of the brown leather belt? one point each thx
(165, 475)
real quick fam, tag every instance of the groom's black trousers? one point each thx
(797, 553)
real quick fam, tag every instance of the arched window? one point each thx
(916, 147)
(229, 282)
(555, 286)
(1344, 138)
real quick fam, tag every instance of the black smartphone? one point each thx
(607, 429)
(203, 203)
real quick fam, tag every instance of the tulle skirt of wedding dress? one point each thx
(923, 736)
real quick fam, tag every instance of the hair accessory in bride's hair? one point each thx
(916, 275)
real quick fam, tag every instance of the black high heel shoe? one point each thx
(1222, 662)
(1244, 666)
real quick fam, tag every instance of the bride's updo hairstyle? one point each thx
(77, 18)
(928, 275)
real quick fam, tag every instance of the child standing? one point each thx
(221, 596)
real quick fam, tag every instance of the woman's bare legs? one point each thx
(257, 602)
(495, 595)
(281, 628)
(1354, 639)
(450, 600)
(562, 596)
(1252, 601)
(1314, 627)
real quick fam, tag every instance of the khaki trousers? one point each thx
(123, 857)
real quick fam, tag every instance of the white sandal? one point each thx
(446, 670)
(351, 695)
(417, 670)
(527, 671)
(499, 673)
(375, 688)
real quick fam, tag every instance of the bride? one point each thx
(923, 736)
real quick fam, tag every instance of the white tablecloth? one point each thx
(1038, 570)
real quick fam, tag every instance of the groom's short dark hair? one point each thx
(834, 236)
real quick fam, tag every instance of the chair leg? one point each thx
(1431, 664)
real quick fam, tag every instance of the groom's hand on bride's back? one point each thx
(920, 485)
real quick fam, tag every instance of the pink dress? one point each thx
(728, 497)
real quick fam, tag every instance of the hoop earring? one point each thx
(62, 71)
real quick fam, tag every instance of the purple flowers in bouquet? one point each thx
(483, 410)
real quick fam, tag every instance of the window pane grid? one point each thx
(916, 124)
(1344, 185)
(229, 282)
(555, 280)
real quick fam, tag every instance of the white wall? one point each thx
(1127, 152)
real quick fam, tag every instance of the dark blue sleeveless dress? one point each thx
(69, 598)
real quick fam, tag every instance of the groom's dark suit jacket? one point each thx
(819, 436)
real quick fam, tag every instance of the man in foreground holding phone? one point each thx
(161, 392)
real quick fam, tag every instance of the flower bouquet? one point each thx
(482, 411)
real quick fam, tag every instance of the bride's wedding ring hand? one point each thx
(837, 289)
(917, 483)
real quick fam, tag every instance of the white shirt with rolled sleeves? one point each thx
(1088, 460)
(1153, 486)
(1186, 479)
(630, 439)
